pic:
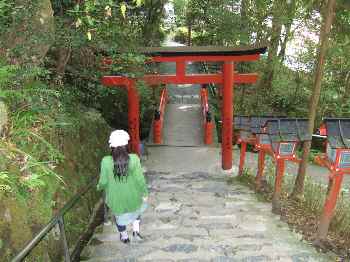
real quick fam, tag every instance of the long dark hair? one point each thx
(120, 156)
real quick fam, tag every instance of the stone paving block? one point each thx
(224, 259)
(220, 249)
(221, 233)
(181, 256)
(113, 259)
(216, 210)
(218, 218)
(159, 225)
(242, 234)
(105, 237)
(212, 226)
(185, 248)
(118, 250)
(253, 226)
(258, 258)
(189, 234)
(303, 257)
(168, 207)
(159, 260)
(192, 260)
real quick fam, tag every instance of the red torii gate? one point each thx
(180, 56)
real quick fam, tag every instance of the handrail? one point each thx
(211, 86)
(57, 219)
(207, 119)
(159, 117)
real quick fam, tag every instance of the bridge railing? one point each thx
(207, 117)
(159, 117)
(205, 68)
(57, 220)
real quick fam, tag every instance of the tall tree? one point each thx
(323, 43)
(276, 29)
(154, 13)
(244, 23)
(288, 21)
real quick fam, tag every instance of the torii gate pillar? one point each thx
(227, 115)
(133, 118)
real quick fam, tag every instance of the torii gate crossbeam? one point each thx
(181, 56)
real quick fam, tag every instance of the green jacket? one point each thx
(126, 195)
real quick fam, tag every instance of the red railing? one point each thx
(207, 118)
(159, 117)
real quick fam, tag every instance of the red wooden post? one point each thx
(133, 117)
(329, 206)
(157, 135)
(227, 115)
(276, 203)
(208, 123)
(180, 70)
(159, 119)
(209, 126)
(242, 157)
(261, 166)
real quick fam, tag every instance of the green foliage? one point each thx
(30, 116)
(41, 163)
(229, 22)
(6, 7)
(180, 34)
(52, 144)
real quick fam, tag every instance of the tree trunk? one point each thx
(298, 189)
(64, 54)
(346, 93)
(282, 53)
(189, 35)
(266, 82)
(244, 28)
(153, 19)
(291, 8)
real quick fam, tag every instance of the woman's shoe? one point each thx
(136, 235)
(124, 239)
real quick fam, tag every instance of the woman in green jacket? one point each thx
(122, 180)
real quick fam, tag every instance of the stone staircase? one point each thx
(198, 216)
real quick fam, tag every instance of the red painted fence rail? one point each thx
(207, 119)
(159, 117)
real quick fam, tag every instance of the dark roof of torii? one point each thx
(203, 51)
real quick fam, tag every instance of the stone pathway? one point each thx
(199, 216)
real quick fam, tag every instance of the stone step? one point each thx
(184, 99)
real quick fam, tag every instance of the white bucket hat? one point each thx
(118, 138)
